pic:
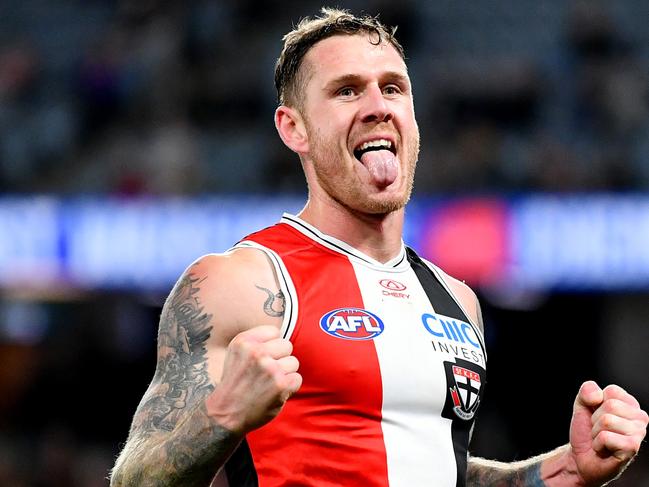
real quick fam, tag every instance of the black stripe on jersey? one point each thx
(240, 469)
(414, 258)
(400, 260)
(443, 303)
(436, 273)
(461, 434)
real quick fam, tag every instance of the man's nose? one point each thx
(375, 107)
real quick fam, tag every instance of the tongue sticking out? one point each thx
(382, 166)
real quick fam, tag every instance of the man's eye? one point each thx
(391, 90)
(346, 92)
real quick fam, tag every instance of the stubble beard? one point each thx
(348, 190)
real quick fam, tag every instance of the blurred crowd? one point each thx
(158, 97)
(124, 97)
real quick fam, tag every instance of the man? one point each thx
(391, 352)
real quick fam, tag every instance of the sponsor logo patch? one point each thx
(393, 288)
(392, 285)
(456, 330)
(465, 382)
(352, 324)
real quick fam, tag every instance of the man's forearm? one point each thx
(189, 456)
(553, 469)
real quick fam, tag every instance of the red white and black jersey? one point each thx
(393, 370)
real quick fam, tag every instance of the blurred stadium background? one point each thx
(137, 135)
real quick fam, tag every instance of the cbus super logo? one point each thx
(352, 324)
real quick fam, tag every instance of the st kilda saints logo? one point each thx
(465, 385)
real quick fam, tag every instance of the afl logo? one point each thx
(392, 285)
(352, 324)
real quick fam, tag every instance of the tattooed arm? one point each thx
(550, 469)
(218, 375)
(606, 431)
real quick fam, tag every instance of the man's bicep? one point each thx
(216, 298)
(468, 300)
(186, 340)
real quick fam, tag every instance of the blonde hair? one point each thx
(290, 80)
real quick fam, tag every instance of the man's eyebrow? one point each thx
(342, 80)
(396, 76)
(345, 79)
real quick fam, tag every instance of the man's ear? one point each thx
(291, 129)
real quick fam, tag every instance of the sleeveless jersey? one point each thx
(393, 370)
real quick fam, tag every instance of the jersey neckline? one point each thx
(399, 262)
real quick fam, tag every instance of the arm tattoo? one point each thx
(173, 440)
(270, 301)
(202, 441)
(479, 475)
(189, 457)
(181, 375)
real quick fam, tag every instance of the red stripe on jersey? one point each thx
(329, 433)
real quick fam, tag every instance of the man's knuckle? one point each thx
(631, 445)
(637, 443)
(267, 363)
(608, 421)
(243, 347)
(604, 436)
(242, 340)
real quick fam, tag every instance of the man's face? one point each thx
(360, 122)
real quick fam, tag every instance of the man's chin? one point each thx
(383, 204)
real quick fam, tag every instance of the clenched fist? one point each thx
(606, 431)
(259, 375)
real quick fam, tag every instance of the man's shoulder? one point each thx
(230, 286)
(449, 280)
(235, 272)
(237, 264)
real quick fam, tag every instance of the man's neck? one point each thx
(378, 236)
